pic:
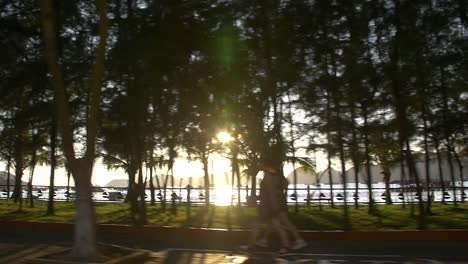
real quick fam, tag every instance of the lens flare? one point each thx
(224, 137)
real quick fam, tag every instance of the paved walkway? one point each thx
(185, 256)
(17, 253)
(20, 242)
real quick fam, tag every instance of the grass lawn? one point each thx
(394, 217)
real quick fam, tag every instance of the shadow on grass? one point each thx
(458, 210)
(188, 216)
(245, 218)
(211, 216)
(197, 219)
(319, 220)
(120, 216)
(17, 215)
(440, 222)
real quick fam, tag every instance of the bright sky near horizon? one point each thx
(182, 168)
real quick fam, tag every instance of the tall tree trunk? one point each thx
(235, 167)
(19, 166)
(296, 202)
(354, 153)
(397, 87)
(158, 184)
(403, 179)
(436, 142)
(253, 188)
(153, 197)
(173, 194)
(131, 172)
(422, 83)
(32, 166)
(172, 156)
(212, 173)
(166, 178)
(238, 180)
(293, 152)
(53, 142)
(368, 160)
(427, 168)
(452, 172)
(132, 193)
(347, 223)
(18, 191)
(414, 174)
(439, 166)
(354, 79)
(67, 167)
(8, 166)
(387, 175)
(233, 175)
(460, 169)
(447, 133)
(141, 193)
(84, 245)
(330, 178)
(206, 178)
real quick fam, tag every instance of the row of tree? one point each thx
(138, 83)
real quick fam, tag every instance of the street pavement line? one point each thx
(290, 254)
(18, 256)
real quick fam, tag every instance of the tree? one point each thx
(84, 247)
(53, 164)
(399, 90)
(385, 151)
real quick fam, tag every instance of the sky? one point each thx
(182, 168)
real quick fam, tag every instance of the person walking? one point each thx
(280, 188)
(266, 216)
(283, 215)
(273, 212)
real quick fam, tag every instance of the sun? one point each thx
(223, 195)
(224, 137)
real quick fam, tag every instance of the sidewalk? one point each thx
(150, 232)
(24, 254)
(187, 245)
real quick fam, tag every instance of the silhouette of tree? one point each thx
(84, 246)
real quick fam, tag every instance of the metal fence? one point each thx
(303, 196)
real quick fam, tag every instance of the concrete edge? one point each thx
(151, 232)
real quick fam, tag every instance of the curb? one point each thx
(152, 232)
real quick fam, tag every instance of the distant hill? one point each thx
(325, 178)
(4, 176)
(117, 183)
(304, 175)
(177, 182)
(395, 171)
